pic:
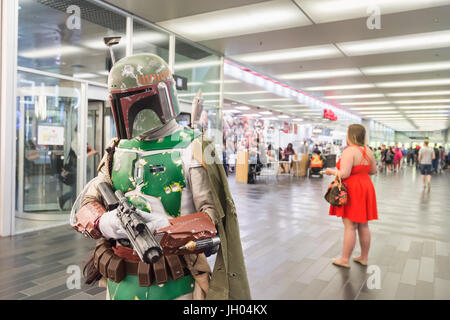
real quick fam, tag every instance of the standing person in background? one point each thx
(410, 156)
(435, 161)
(383, 157)
(354, 167)
(288, 152)
(416, 155)
(389, 158)
(398, 158)
(426, 156)
(377, 155)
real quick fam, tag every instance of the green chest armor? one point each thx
(143, 169)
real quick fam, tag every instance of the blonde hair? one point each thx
(357, 134)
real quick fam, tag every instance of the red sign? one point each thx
(329, 114)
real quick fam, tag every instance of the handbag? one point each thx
(336, 194)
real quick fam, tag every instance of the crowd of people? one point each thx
(393, 158)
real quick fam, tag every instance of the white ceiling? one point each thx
(398, 74)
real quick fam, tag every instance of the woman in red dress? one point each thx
(354, 167)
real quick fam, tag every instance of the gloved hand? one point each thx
(111, 228)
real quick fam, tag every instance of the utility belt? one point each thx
(115, 268)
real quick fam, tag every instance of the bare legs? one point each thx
(350, 240)
(364, 241)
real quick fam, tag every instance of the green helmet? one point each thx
(142, 93)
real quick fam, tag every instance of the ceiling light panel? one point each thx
(418, 41)
(254, 18)
(419, 93)
(243, 93)
(378, 112)
(355, 96)
(374, 108)
(364, 103)
(422, 101)
(321, 74)
(291, 54)
(270, 100)
(342, 87)
(414, 83)
(336, 10)
(442, 112)
(426, 107)
(406, 68)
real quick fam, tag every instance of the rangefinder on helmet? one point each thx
(142, 94)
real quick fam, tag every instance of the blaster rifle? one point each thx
(138, 233)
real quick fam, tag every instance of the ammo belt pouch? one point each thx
(115, 268)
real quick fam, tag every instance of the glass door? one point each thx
(94, 138)
(47, 148)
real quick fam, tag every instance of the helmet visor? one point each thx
(145, 111)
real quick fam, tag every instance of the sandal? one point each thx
(344, 265)
(361, 262)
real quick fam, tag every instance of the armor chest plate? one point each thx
(145, 175)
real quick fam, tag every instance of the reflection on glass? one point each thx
(47, 144)
(147, 39)
(54, 38)
(202, 69)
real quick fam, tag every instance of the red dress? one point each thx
(361, 203)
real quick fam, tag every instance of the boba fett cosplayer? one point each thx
(161, 169)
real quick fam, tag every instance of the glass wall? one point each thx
(66, 37)
(47, 144)
(202, 70)
(61, 55)
(148, 39)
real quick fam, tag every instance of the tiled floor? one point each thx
(288, 240)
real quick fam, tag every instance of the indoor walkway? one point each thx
(288, 239)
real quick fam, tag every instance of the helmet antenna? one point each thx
(197, 108)
(110, 42)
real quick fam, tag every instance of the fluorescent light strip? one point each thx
(181, 95)
(418, 41)
(224, 81)
(269, 100)
(241, 93)
(289, 105)
(50, 52)
(421, 101)
(320, 74)
(367, 103)
(407, 68)
(86, 75)
(292, 54)
(426, 107)
(374, 108)
(194, 84)
(414, 83)
(380, 112)
(196, 64)
(355, 96)
(426, 112)
(342, 87)
(419, 93)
